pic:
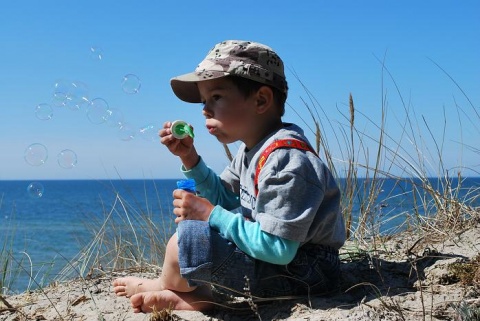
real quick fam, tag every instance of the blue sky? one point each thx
(333, 47)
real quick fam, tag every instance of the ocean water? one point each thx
(49, 231)
(45, 233)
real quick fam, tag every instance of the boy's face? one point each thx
(229, 115)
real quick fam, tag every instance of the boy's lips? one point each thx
(211, 129)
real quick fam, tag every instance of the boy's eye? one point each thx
(212, 98)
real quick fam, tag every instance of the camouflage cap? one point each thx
(245, 59)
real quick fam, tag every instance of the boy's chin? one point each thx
(225, 141)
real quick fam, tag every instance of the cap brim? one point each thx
(185, 86)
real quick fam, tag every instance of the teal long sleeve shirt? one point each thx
(247, 235)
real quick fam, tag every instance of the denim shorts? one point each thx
(205, 257)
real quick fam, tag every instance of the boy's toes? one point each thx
(136, 301)
(119, 287)
(120, 290)
(119, 281)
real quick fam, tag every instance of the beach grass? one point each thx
(128, 236)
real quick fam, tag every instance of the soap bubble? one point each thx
(67, 158)
(96, 53)
(44, 111)
(36, 154)
(35, 190)
(98, 111)
(131, 84)
(126, 132)
(115, 117)
(77, 95)
(149, 133)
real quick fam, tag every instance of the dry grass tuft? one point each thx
(468, 273)
(165, 314)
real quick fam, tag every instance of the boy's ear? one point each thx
(264, 99)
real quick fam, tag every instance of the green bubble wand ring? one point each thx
(180, 129)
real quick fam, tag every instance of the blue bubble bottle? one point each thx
(187, 185)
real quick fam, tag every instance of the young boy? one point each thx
(285, 239)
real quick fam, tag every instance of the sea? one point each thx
(45, 224)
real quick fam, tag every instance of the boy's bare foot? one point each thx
(198, 300)
(131, 285)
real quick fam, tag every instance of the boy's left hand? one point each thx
(188, 206)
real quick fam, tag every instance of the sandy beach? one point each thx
(411, 276)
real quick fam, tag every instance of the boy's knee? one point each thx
(173, 240)
(171, 253)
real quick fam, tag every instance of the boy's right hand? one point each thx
(187, 206)
(182, 148)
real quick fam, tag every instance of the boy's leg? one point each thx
(169, 279)
(174, 292)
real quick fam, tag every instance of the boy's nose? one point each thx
(206, 112)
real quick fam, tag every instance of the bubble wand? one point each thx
(181, 129)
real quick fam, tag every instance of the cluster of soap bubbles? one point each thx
(75, 95)
(70, 94)
(36, 154)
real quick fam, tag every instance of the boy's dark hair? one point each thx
(248, 87)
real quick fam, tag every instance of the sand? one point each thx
(409, 277)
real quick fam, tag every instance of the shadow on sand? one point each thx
(363, 280)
